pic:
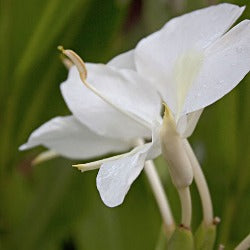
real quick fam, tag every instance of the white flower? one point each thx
(190, 62)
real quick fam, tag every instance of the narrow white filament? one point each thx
(159, 194)
(201, 185)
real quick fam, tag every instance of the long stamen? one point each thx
(66, 62)
(76, 59)
(97, 164)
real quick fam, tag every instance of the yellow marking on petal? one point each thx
(186, 69)
(172, 150)
(44, 156)
(167, 111)
(168, 119)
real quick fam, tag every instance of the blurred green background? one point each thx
(52, 206)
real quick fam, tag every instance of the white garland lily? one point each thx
(192, 62)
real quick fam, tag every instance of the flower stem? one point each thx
(159, 194)
(186, 206)
(160, 197)
(201, 185)
(245, 244)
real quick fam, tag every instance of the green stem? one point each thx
(159, 194)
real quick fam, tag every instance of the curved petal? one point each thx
(226, 62)
(161, 56)
(125, 89)
(68, 137)
(123, 61)
(187, 123)
(96, 114)
(115, 177)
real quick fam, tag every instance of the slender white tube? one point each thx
(201, 185)
(160, 196)
(186, 206)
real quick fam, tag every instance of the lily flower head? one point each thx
(192, 62)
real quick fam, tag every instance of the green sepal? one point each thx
(205, 237)
(181, 239)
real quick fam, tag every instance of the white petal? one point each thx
(187, 123)
(123, 61)
(180, 42)
(226, 63)
(68, 137)
(96, 114)
(125, 89)
(115, 177)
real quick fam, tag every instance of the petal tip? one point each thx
(22, 147)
